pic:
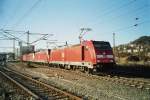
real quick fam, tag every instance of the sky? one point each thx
(65, 18)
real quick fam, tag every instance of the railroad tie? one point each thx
(132, 85)
(62, 97)
(147, 88)
(140, 86)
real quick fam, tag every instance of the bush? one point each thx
(133, 58)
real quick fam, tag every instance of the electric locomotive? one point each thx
(89, 56)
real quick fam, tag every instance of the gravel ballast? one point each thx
(83, 85)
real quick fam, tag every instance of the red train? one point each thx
(89, 56)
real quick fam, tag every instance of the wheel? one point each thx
(88, 70)
(67, 67)
(74, 68)
(91, 71)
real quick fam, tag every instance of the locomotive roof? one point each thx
(100, 41)
(74, 45)
(65, 46)
(42, 50)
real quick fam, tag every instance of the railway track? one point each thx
(34, 88)
(139, 84)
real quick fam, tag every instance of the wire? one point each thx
(128, 27)
(13, 31)
(18, 32)
(139, 10)
(27, 13)
(6, 47)
(6, 38)
(112, 10)
(5, 35)
(18, 22)
(16, 38)
(14, 14)
(41, 38)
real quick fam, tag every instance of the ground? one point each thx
(82, 84)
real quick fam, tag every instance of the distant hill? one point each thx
(144, 40)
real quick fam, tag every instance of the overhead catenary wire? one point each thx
(136, 11)
(131, 26)
(13, 15)
(133, 0)
(8, 34)
(16, 31)
(27, 13)
(12, 36)
(128, 27)
(41, 38)
(5, 35)
(112, 11)
(17, 23)
(6, 47)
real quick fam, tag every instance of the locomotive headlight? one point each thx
(111, 61)
(98, 61)
(99, 56)
(110, 56)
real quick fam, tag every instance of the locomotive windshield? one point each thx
(100, 45)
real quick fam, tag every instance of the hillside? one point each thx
(144, 40)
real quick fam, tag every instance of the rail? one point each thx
(37, 88)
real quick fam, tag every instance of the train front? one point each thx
(104, 55)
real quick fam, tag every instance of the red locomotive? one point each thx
(89, 56)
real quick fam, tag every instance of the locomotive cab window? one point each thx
(100, 45)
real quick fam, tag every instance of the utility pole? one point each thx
(14, 47)
(17, 53)
(20, 45)
(114, 44)
(28, 45)
(28, 37)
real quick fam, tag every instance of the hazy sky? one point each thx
(64, 18)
